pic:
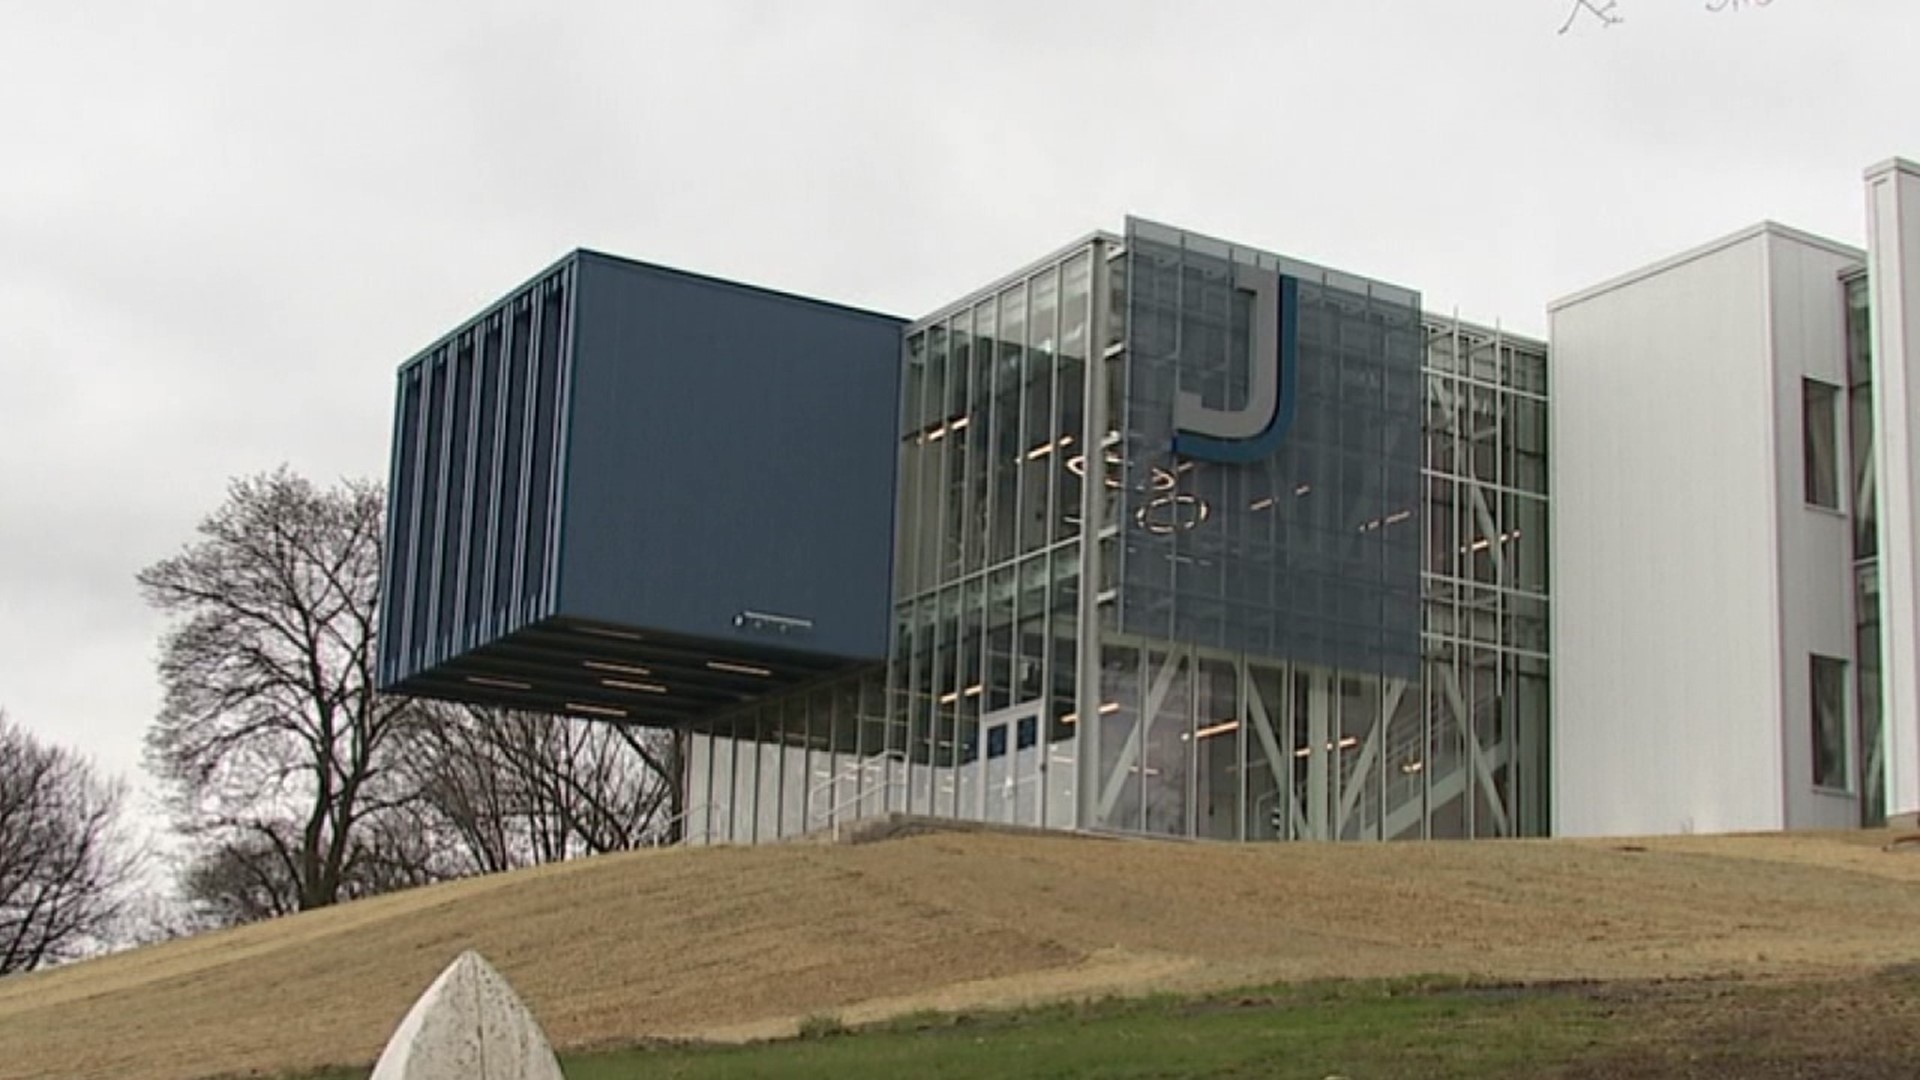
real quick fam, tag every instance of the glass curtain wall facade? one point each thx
(1484, 585)
(989, 556)
(1347, 641)
(1866, 554)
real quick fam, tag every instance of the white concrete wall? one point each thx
(1809, 340)
(1667, 679)
(1893, 270)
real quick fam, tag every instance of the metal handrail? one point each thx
(851, 770)
(707, 833)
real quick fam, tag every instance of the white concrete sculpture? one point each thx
(469, 1025)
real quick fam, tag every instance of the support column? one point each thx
(1893, 282)
(1093, 493)
(1319, 738)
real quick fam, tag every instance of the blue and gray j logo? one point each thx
(1256, 429)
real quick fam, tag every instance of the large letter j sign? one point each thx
(1255, 430)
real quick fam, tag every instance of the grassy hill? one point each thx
(730, 943)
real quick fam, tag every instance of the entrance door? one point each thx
(1009, 764)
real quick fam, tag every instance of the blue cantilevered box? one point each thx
(633, 492)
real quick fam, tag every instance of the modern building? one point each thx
(1734, 560)
(1166, 535)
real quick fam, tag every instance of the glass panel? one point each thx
(1269, 814)
(1024, 757)
(1000, 674)
(1483, 429)
(1446, 750)
(1528, 444)
(766, 801)
(1829, 714)
(796, 755)
(720, 799)
(1358, 792)
(979, 429)
(1166, 759)
(972, 661)
(1866, 503)
(1007, 449)
(1031, 642)
(1217, 737)
(697, 823)
(913, 446)
(1484, 688)
(1037, 446)
(960, 424)
(844, 795)
(939, 436)
(1060, 781)
(1117, 804)
(1821, 453)
(1873, 808)
(1116, 329)
(1405, 765)
(1526, 544)
(944, 753)
(919, 712)
(1070, 401)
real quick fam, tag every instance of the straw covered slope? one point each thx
(737, 942)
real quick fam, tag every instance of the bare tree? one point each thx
(513, 788)
(270, 738)
(65, 865)
(236, 879)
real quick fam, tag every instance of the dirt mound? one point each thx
(734, 942)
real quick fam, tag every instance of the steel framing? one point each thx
(1316, 753)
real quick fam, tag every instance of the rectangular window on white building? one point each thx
(1829, 700)
(1822, 444)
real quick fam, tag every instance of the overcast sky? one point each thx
(222, 226)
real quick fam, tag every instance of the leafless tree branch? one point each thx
(65, 864)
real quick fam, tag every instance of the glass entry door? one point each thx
(1009, 766)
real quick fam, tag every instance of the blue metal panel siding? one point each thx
(730, 450)
(471, 497)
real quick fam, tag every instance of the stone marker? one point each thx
(469, 1025)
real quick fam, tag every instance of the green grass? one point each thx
(1435, 1027)
(1418, 1028)
(1453, 1033)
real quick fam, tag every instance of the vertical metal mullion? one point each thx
(1429, 481)
(1055, 413)
(970, 409)
(1383, 764)
(1020, 437)
(415, 466)
(502, 392)
(1093, 492)
(1143, 726)
(563, 370)
(1289, 675)
(1053, 464)
(529, 406)
(477, 370)
(1191, 795)
(423, 407)
(435, 582)
(934, 561)
(1242, 714)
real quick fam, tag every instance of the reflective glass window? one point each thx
(1829, 714)
(1821, 443)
